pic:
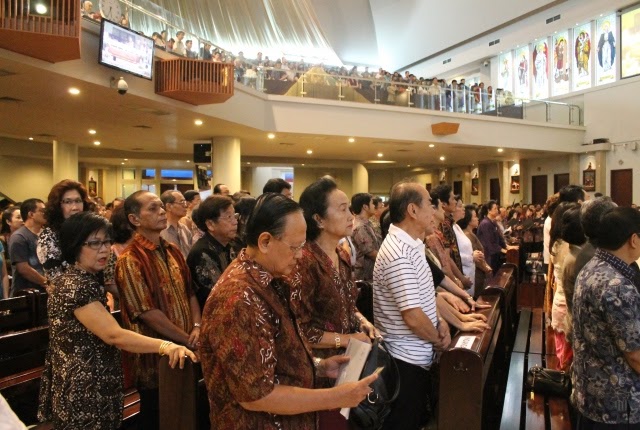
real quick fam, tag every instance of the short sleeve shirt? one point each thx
(22, 249)
(606, 324)
(365, 240)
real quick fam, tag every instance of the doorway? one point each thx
(539, 189)
(560, 180)
(457, 188)
(494, 190)
(622, 187)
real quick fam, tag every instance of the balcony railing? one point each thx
(194, 81)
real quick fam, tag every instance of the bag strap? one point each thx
(396, 372)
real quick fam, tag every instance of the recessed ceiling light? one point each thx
(122, 162)
(125, 159)
(431, 145)
(579, 24)
(92, 131)
(198, 122)
(351, 140)
(74, 91)
(174, 180)
(271, 136)
(248, 162)
(380, 154)
(302, 164)
(41, 9)
(442, 158)
(500, 150)
(96, 142)
(31, 138)
(408, 165)
(188, 161)
(309, 151)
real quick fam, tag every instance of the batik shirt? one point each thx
(207, 260)
(365, 240)
(323, 297)
(606, 324)
(152, 277)
(250, 344)
(450, 241)
(50, 255)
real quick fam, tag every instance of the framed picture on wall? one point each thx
(515, 184)
(589, 179)
(92, 187)
(475, 186)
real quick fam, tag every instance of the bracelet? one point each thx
(337, 341)
(197, 325)
(469, 298)
(316, 362)
(163, 346)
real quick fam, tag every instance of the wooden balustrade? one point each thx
(193, 81)
(51, 36)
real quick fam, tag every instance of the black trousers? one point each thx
(411, 409)
(149, 409)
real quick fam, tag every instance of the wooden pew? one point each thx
(505, 284)
(184, 403)
(470, 374)
(17, 313)
(523, 409)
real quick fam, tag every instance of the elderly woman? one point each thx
(212, 253)
(323, 295)
(468, 223)
(66, 198)
(258, 370)
(82, 381)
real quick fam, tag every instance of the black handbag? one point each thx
(549, 382)
(372, 411)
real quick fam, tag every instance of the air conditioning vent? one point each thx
(5, 72)
(10, 100)
(146, 127)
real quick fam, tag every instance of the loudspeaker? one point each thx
(202, 153)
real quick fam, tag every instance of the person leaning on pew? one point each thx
(258, 370)
(82, 381)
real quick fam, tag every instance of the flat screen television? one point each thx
(126, 50)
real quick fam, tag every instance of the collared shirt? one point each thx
(365, 240)
(450, 241)
(22, 249)
(251, 343)
(152, 277)
(207, 260)
(402, 280)
(323, 296)
(180, 237)
(606, 324)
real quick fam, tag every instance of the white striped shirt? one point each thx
(402, 280)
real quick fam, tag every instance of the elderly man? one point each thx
(606, 328)
(404, 304)
(155, 293)
(176, 232)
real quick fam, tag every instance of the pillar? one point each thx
(504, 173)
(575, 174)
(65, 161)
(360, 179)
(601, 172)
(525, 180)
(225, 160)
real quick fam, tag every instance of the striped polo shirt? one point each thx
(402, 280)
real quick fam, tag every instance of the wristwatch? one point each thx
(197, 325)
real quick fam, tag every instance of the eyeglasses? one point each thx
(96, 245)
(293, 248)
(229, 217)
(72, 202)
(181, 203)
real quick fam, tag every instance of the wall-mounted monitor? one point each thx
(126, 50)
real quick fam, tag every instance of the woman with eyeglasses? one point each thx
(66, 198)
(81, 384)
(323, 294)
(212, 253)
(258, 370)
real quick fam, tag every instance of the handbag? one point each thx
(549, 382)
(372, 411)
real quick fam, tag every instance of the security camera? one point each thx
(122, 86)
(486, 63)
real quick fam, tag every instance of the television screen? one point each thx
(125, 50)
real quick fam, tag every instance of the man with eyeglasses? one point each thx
(27, 271)
(176, 232)
(155, 293)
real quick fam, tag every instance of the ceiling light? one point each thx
(408, 165)
(309, 151)
(92, 131)
(248, 162)
(351, 140)
(442, 158)
(174, 180)
(500, 150)
(198, 122)
(96, 142)
(31, 138)
(41, 9)
(579, 24)
(74, 91)
(125, 159)
(122, 162)
(302, 164)
(188, 161)
(431, 145)
(271, 136)
(380, 154)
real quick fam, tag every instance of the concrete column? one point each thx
(65, 161)
(466, 187)
(505, 183)
(483, 179)
(525, 180)
(360, 179)
(575, 174)
(601, 172)
(225, 160)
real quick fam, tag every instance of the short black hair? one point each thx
(269, 216)
(376, 201)
(210, 210)
(314, 200)
(190, 195)
(244, 206)
(557, 220)
(468, 214)
(617, 226)
(7, 214)
(486, 208)
(29, 205)
(571, 193)
(122, 230)
(132, 205)
(276, 185)
(76, 229)
(402, 195)
(442, 191)
(359, 200)
(592, 212)
(216, 188)
(572, 231)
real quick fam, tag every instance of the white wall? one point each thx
(305, 176)
(262, 174)
(23, 178)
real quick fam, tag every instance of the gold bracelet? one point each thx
(163, 346)
(337, 341)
